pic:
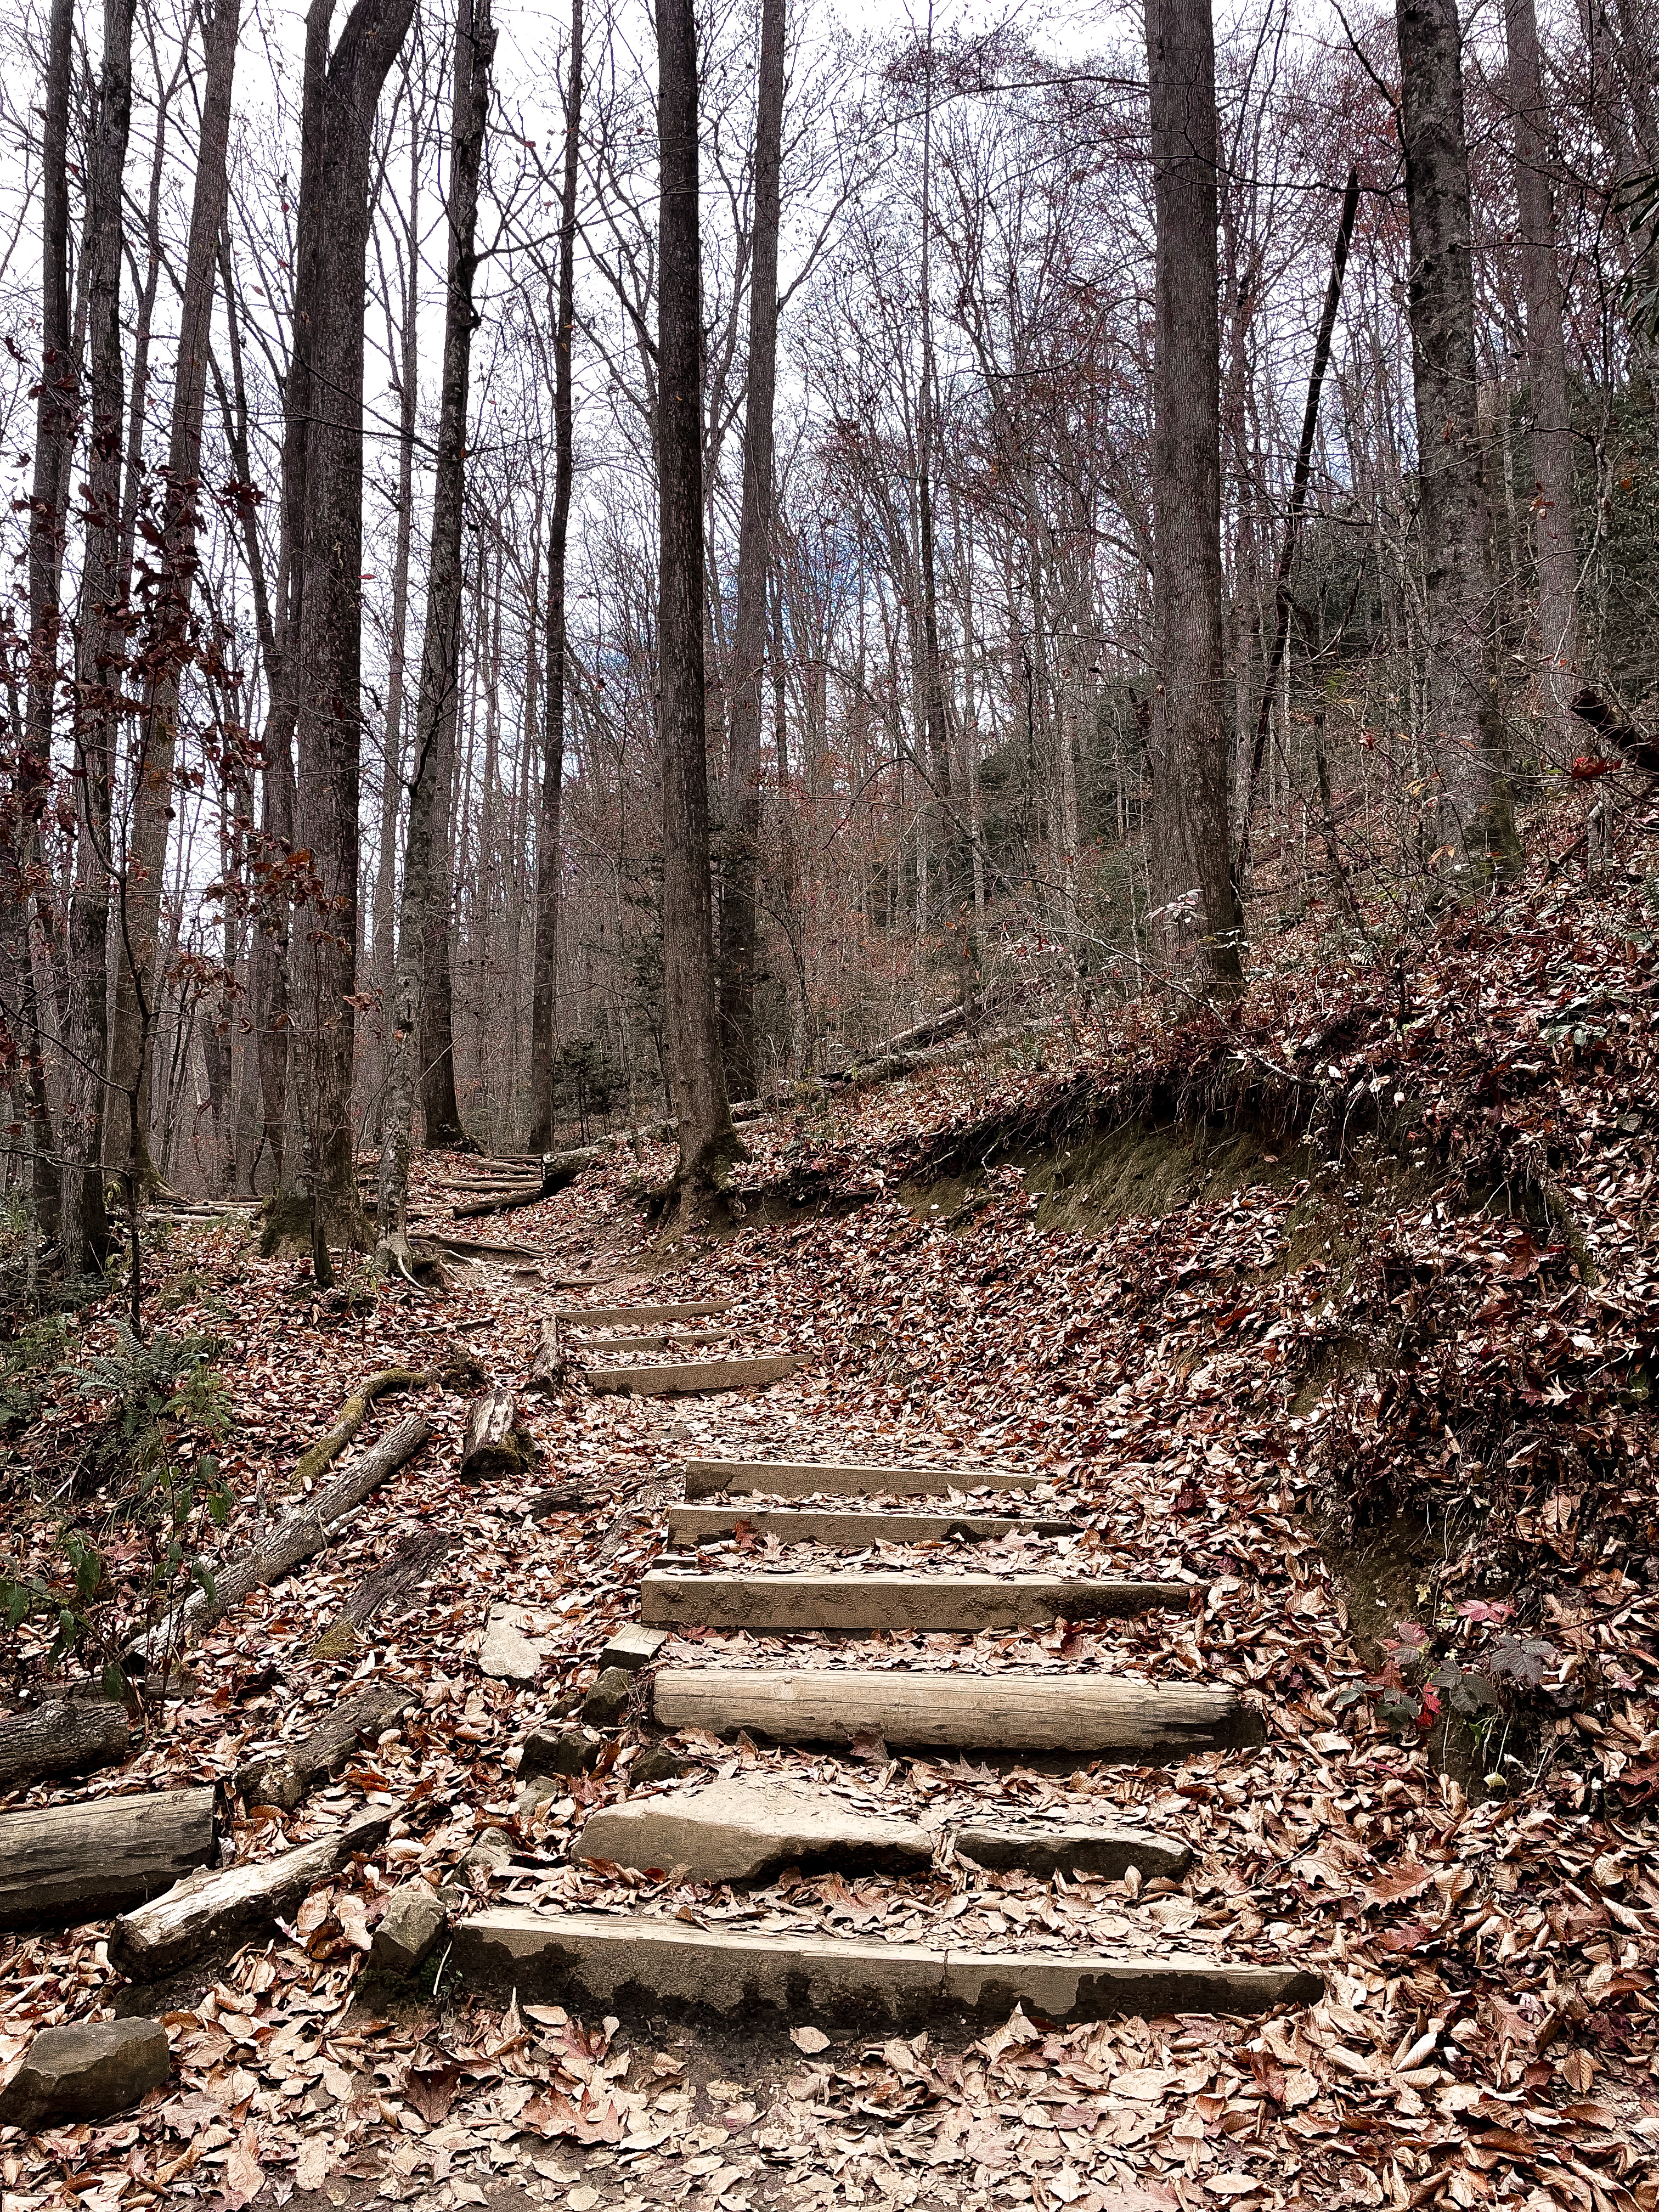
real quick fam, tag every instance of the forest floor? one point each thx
(1344, 1312)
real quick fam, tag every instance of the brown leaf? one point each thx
(431, 2090)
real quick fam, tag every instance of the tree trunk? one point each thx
(1189, 716)
(1477, 833)
(738, 905)
(139, 967)
(64, 1865)
(696, 1078)
(56, 401)
(324, 662)
(1555, 536)
(99, 660)
(425, 889)
(65, 1736)
(544, 1005)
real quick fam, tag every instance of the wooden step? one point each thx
(1091, 1716)
(701, 1524)
(777, 1478)
(681, 1378)
(576, 1316)
(861, 1603)
(685, 1341)
(632, 1964)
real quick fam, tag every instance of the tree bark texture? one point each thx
(424, 890)
(1555, 536)
(1189, 714)
(1476, 831)
(696, 1078)
(66, 1737)
(544, 1005)
(738, 899)
(325, 661)
(100, 657)
(62, 1865)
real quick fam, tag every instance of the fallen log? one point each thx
(302, 1533)
(287, 1776)
(206, 1910)
(547, 1369)
(64, 1865)
(683, 1377)
(412, 1561)
(66, 1737)
(493, 1445)
(353, 1415)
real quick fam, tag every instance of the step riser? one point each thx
(711, 1478)
(590, 1316)
(631, 1968)
(685, 1379)
(868, 1604)
(1086, 1716)
(703, 1524)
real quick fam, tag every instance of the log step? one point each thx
(776, 1478)
(1093, 1716)
(684, 1341)
(683, 1378)
(862, 1603)
(578, 1315)
(698, 1524)
(62, 1865)
(627, 1963)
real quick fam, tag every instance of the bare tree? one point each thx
(1477, 833)
(324, 670)
(435, 706)
(1189, 726)
(696, 1075)
(544, 1007)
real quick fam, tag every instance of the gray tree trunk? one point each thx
(696, 1077)
(1554, 536)
(435, 706)
(1476, 835)
(738, 902)
(543, 1002)
(325, 659)
(1189, 710)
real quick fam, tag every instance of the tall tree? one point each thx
(138, 978)
(323, 664)
(1476, 829)
(57, 399)
(1554, 534)
(543, 1006)
(739, 901)
(1190, 714)
(440, 657)
(696, 1075)
(100, 654)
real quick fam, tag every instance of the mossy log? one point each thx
(353, 1415)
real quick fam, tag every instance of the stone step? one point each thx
(1088, 1715)
(630, 1964)
(699, 1524)
(778, 1478)
(860, 1603)
(682, 1377)
(588, 1315)
(746, 1832)
(633, 1647)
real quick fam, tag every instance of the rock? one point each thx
(606, 1703)
(86, 2073)
(506, 1653)
(657, 1764)
(410, 1925)
(634, 1647)
(559, 1751)
(745, 1831)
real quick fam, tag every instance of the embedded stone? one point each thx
(606, 1704)
(85, 2072)
(409, 1927)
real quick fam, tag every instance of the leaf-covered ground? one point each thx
(1372, 1377)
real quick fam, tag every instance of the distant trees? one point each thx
(836, 538)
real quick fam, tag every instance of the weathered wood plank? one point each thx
(684, 1377)
(62, 1865)
(778, 1478)
(861, 1602)
(701, 1524)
